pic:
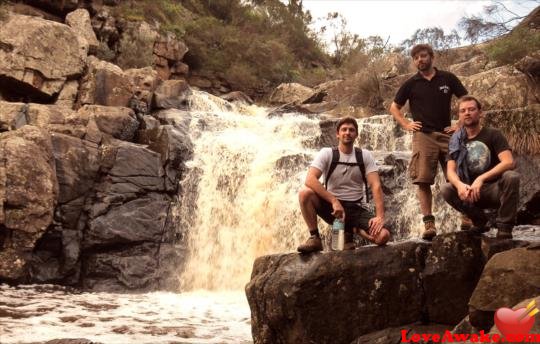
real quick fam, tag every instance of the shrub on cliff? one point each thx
(515, 45)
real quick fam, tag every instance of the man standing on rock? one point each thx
(345, 195)
(429, 93)
(480, 172)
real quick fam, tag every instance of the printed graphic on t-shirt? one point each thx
(444, 88)
(478, 157)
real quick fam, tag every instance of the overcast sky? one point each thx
(400, 19)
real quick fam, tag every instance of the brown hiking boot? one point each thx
(312, 244)
(429, 227)
(466, 223)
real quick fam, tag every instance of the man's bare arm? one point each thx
(312, 182)
(395, 110)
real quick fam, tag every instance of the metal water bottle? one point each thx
(338, 235)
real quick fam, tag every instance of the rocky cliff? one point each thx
(91, 153)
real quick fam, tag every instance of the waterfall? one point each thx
(240, 194)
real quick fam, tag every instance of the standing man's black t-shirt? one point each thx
(429, 100)
(483, 151)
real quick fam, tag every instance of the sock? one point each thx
(428, 218)
(314, 232)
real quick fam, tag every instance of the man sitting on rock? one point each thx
(345, 195)
(480, 172)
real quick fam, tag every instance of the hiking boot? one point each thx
(429, 227)
(466, 223)
(504, 232)
(312, 244)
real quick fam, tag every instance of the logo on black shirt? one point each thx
(444, 88)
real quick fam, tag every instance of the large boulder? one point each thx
(508, 278)
(168, 54)
(452, 268)
(79, 21)
(289, 93)
(28, 196)
(105, 84)
(37, 58)
(316, 298)
(118, 122)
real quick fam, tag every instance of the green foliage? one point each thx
(135, 51)
(255, 44)
(514, 46)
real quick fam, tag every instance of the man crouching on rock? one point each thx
(345, 195)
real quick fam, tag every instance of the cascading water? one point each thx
(238, 201)
(245, 175)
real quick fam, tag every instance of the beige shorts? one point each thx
(428, 150)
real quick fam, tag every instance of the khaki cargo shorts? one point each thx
(428, 150)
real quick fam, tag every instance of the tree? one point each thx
(344, 43)
(496, 20)
(435, 37)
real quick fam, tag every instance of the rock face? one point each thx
(513, 89)
(81, 203)
(508, 278)
(28, 196)
(79, 21)
(35, 60)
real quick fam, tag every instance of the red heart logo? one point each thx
(512, 322)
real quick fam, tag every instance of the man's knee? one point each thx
(447, 191)
(382, 238)
(306, 195)
(510, 177)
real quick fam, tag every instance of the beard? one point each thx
(424, 66)
(471, 123)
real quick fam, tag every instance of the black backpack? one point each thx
(359, 162)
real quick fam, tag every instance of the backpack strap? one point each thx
(333, 164)
(359, 163)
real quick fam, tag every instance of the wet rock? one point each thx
(118, 270)
(136, 221)
(35, 60)
(508, 278)
(174, 146)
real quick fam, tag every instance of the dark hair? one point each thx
(467, 98)
(421, 47)
(347, 119)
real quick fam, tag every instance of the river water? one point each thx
(239, 202)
